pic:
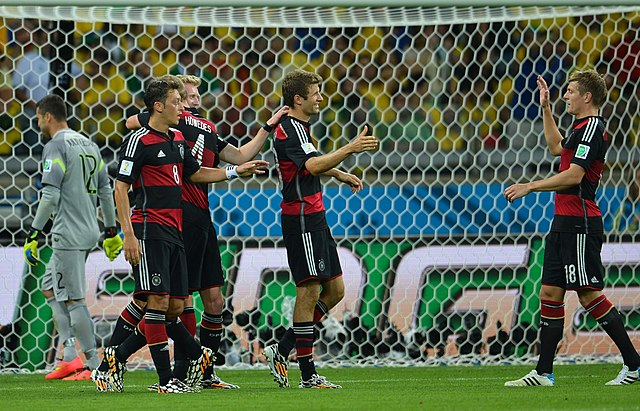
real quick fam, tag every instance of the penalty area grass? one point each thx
(578, 387)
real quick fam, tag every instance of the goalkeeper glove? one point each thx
(31, 248)
(112, 243)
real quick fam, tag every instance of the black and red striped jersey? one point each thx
(586, 145)
(205, 144)
(156, 164)
(302, 207)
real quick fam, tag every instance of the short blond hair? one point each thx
(190, 79)
(590, 81)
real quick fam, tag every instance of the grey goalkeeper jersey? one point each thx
(74, 171)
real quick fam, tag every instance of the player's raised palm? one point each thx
(544, 92)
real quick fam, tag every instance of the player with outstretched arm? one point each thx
(311, 250)
(572, 258)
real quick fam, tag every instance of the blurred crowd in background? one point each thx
(466, 87)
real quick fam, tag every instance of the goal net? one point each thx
(438, 266)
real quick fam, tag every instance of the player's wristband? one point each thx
(110, 232)
(232, 172)
(267, 128)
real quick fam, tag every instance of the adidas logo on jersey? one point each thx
(161, 154)
(594, 280)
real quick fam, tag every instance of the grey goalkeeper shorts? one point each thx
(65, 275)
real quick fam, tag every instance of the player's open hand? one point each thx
(364, 142)
(544, 92)
(275, 119)
(516, 191)
(354, 182)
(252, 167)
(132, 250)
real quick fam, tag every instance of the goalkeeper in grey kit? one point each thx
(74, 177)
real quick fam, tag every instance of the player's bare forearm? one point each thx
(246, 152)
(552, 134)
(321, 164)
(214, 175)
(551, 184)
(208, 175)
(561, 181)
(130, 247)
(123, 207)
(354, 182)
(324, 163)
(333, 172)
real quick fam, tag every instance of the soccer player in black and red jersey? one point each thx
(572, 248)
(154, 161)
(311, 250)
(200, 238)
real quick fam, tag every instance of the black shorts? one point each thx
(203, 257)
(572, 261)
(162, 270)
(312, 256)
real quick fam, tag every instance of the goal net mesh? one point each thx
(438, 267)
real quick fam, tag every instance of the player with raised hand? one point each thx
(572, 258)
(200, 239)
(311, 250)
(73, 178)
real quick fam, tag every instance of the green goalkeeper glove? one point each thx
(31, 248)
(112, 243)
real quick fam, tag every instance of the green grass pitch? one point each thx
(578, 387)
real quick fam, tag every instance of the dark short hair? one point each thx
(589, 81)
(53, 104)
(158, 90)
(298, 82)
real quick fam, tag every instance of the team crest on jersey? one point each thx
(182, 151)
(47, 166)
(308, 148)
(582, 151)
(321, 265)
(126, 167)
(156, 279)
